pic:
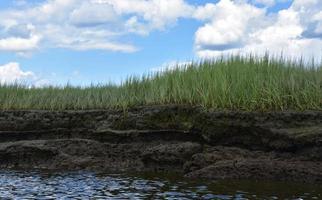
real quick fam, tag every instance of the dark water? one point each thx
(85, 185)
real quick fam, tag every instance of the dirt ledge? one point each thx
(189, 140)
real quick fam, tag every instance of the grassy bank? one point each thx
(235, 83)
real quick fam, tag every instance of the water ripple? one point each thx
(87, 185)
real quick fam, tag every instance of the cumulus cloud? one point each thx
(86, 24)
(73, 24)
(228, 25)
(152, 14)
(18, 37)
(11, 73)
(19, 44)
(90, 14)
(296, 31)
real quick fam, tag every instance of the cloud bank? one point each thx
(227, 26)
(86, 24)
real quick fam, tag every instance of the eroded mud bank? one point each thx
(191, 141)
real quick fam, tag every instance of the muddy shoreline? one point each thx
(183, 139)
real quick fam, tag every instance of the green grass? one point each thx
(234, 83)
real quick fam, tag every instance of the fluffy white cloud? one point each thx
(11, 73)
(74, 24)
(228, 25)
(18, 37)
(86, 24)
(89, 14)
(150, 15)
(296, 31)
(19, 44)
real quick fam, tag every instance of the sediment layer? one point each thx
(188, 140)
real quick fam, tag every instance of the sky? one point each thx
(83, 42)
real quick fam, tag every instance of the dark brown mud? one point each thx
(188, 140)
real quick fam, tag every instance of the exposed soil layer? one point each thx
(188, 140)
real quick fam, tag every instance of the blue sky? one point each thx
(96, 41)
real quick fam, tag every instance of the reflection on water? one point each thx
(86, 185)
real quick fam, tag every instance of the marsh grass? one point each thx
(233, 83)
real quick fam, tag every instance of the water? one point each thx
(87, 185)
